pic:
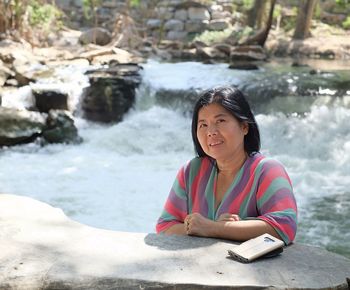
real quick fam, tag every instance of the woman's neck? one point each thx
(230, 167)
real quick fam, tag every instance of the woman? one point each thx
(230, 190)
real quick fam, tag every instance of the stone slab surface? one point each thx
(41, 248)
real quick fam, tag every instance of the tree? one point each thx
(304, 17)
(260, 37)
(256, 14)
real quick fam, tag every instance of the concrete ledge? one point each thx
(40, 248)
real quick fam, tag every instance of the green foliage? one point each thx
(318, 10)
(134, 3)
(43, 15)
(277, 12)
(210, 37)
(90, 7)
(248, 4)
(346, 23)
(342, 3)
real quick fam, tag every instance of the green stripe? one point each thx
(244, 205)
(209, 193)
(167, 216)
(277, 184)
(179, 191)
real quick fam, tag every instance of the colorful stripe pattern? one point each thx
(261, 190)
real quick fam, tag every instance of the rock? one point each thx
(247, 53)
(174, 25)
(49, 99)
(5, 73)
(189, 54)
(332, 18)
(218, 25)
(196, 26)
(111, 92)
(181, 14)
(19, 126)
(153, 23)
(199, 13)
(205, 53)
(176, 35)
(60, 128)
(243, 65)
(178, 98)
(98, 35)
(219, 15)
(223, 47)
(44, 249)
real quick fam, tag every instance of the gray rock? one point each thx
(174, 25)
(248, 52)
(206, 53)
(43, 249)
(218, 25)
(220, 15)
(181, 14)
(96, 35)
(60, 128)
(19, 126)
(153, 23)
(196, 26)
(198, 13)
(176, 35)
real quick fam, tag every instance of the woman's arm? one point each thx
(238, 230)
(177, 229)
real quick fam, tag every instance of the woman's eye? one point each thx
(221, 120)
(202, 125)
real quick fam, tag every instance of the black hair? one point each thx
(234, 101)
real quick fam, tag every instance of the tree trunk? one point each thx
(256, 14)
(260, 37)
(305, 12)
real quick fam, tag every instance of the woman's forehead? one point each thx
(213, 109)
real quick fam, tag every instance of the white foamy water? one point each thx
(120, 176)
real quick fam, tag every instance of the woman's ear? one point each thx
(245, 127)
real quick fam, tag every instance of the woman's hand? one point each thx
(228, 217)
(197, 225)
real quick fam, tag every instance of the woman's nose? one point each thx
(212, 130)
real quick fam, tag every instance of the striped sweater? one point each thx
(261, 190)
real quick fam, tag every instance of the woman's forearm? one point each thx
(177, 229)
(241, 230)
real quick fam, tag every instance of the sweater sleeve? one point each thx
(175, 208)
(276, 203)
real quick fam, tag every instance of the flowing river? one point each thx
(120, 176)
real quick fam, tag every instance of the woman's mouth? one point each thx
(213, 144)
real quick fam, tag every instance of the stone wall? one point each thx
(165, 19)
(176, 20)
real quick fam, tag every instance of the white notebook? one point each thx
(254, 248)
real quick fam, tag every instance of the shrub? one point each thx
(346, 23)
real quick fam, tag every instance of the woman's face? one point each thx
(220, 134)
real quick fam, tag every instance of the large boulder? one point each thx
(97, 35)
(111, 92)
(60, 128)
(41, 248)
(19, 126)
